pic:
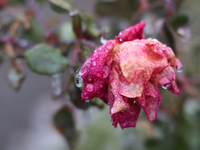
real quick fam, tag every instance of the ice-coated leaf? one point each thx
(44, 59)
(65, 5)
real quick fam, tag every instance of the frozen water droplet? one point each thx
(94, 63)
(87, 101)
(120, 33)
(166, 86)
(120, 40)
(56, 84)
(90, 88)
(79, 79)
(89, 79)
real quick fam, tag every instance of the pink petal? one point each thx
(131, 33)
(116, 102)
(127, 118)
(152, 100)
(95, 72)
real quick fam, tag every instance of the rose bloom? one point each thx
(126, 73)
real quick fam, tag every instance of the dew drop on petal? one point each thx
(120, 33)
(89, 79)
(166, 86)
(90, 88)
(120, 40)
(180, 69)
(94, 63)
(78, 79)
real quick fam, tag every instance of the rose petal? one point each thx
(117, 103)
(131, 33)
(95, 72)
(127, 118)
(152, 98)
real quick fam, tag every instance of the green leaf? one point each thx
(44, 59)
(77, 24)
(92, 28)
(65, 5)
(178, 21)
(65, 124)
(34, 33)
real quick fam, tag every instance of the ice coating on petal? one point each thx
(131, 33)
(127, 118)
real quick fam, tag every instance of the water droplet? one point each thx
(98, 75)
(94, 63)
(180, 69)
(103, 41)
(87, 101)
(134, 101)
(166, 86)
(115, 95)
(79, 79)
(120, 33)
(120, 40)
(90, 88)
(89, 79)
(101, 86)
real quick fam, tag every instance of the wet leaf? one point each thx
(91, 28)
(65, 5)
(66, 32)
(65, 124)
(178, 21)
(123, 8)
(44, 59)
(34, 33)
(77, 24)
(15, 79)
(107, 1)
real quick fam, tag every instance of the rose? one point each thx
(126, 73)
